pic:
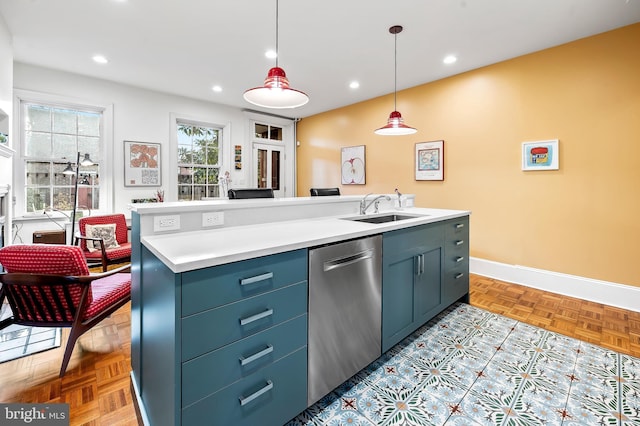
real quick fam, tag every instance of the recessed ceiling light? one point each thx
(354, 84)
(99, 59)
(216, 88)
(271, 54)
(450, 59)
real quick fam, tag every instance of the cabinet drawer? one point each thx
(457, 228)
(208, 330)
(211, 372)
(455, 259)
(216, 286)
(399, 244)
(270, 396)
(456, 283)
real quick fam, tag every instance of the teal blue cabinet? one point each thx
(222, 345)
(424, 270)
(455, 282)
(411, 280)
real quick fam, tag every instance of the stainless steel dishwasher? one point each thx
(345, 291)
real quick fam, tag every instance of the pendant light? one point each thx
(276, 92)
(395, 123)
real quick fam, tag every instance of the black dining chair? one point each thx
(316, 192)
(250, 193)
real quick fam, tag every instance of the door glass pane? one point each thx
(262, 168)
(262, 131)
(275, 133)
(275, 170)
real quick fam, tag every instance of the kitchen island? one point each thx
(219, 312)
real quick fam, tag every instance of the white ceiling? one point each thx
(186, 46)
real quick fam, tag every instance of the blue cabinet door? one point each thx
(411, 280)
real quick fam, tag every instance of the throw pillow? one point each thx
(106, 232)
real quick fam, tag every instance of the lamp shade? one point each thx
(68, 170)
(86, 161)
(276, 92)
(395, 126)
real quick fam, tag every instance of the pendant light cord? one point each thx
(395, 71)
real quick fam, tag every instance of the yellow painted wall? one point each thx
(583, 219)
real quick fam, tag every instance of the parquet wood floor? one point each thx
(97, 383)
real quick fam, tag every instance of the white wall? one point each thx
(139, 115)
(6, 85)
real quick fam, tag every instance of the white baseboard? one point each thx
(605, 292)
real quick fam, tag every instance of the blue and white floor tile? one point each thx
(470, 367)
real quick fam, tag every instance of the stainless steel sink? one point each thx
(383, 218)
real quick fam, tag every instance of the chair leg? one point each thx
(74, 334)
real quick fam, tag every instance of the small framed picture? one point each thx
(430, 160)
(353, 165)
(540, 155)
(142, 164)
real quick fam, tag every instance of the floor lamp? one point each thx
(86, 161)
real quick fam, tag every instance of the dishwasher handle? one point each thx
(347, 260)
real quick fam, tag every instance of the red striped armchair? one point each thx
(49, 285)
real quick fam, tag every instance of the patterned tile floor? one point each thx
(473, 367)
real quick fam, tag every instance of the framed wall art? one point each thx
(540, 155)
(142, 164)
(353, 165)
(430, 160)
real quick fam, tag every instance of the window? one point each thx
(51, 138)
(198, 161)
(265, 131)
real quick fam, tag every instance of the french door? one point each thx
(268, 161)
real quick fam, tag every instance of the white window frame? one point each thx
(106, 149)
(171, 193)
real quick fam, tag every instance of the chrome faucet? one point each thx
(399, 198)
(364, 206)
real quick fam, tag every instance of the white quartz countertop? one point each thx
(187, 251)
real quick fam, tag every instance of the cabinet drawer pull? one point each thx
(256, 317)
(460, 275)
(459, 242)
(257, 278)
(459, 225)
(459, 259)
(248, 399)
(256, 356)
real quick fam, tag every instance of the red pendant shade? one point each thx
(395, 124)
(276, 92)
